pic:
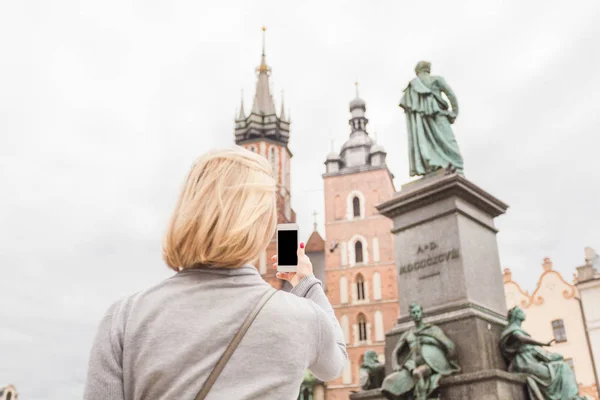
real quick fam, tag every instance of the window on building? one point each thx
(362, 327)
(356, 206)
(273, 160)
(358, 252)
(343, 290)
(558, 329)
(360, 287)
(253, 149)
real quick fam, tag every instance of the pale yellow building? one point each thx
(554, 312)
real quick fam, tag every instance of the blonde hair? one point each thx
(226, 213)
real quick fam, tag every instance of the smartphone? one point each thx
(287, 247)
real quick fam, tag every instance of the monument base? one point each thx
(486, 385)
(474, 330)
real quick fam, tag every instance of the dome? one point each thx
(333, 156)
(376, 148)
(358, 139)
(357, 103)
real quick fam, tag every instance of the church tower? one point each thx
(266, 133)
(360, 265)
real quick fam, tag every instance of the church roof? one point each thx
(262, 122)
(315, 243)
(263, 100)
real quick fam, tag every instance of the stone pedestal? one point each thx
(447, 261)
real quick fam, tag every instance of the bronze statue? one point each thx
(550, 377)
(431, 142)
(422, 356)
(371, 371)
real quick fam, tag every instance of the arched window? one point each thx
(356, 207)
(306, 394)
(253, 149)
(343, 290)
(379, 335)
(273, 159)
(345, 328)
(362, 327)
(360, 287)
(377, 286)
(358, 252)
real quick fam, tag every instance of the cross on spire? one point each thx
(356, 84)
(315, 221)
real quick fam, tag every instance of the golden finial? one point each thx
(263, 62)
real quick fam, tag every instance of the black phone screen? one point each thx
(287, 242)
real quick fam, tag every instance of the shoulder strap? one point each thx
(233, 344)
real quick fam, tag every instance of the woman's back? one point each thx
(171, 336)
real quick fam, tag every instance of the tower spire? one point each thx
(282, 113)
(263, 59)
(263, 101)
(356, 85)
(315, 220)
(242, 113)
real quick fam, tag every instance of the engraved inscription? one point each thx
(429, 261)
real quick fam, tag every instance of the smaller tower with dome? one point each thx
(359, 152)
(359, 247)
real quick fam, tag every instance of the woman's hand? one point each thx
(304, 268)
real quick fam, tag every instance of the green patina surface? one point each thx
(431, 141)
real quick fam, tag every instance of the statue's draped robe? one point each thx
(433, 354)
(550, 377)
(431, 142)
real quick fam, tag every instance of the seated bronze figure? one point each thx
(549, 376)
(371, 372)
(422, 356)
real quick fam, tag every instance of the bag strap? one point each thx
(233, 344)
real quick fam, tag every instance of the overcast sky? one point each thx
(104, 105)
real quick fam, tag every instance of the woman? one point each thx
(164, 342)
(550, 377)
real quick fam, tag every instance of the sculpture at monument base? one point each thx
(431, 142)
(549, 376)
(422, 356)
(372, 372)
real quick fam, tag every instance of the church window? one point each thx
(356, 206)
(343, 290)
(362, 327)
(558, 329)
(379, 335)
(358, 252)
(273, 159)
(377, 286)
(360, 287)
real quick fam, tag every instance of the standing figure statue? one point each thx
(550, 377)
(431, 142)
(422, 356)
(371, 371)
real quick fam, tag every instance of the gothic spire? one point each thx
(282, 113)
(242, 115)
(263, 101)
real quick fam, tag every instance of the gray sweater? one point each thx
(162, 343)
